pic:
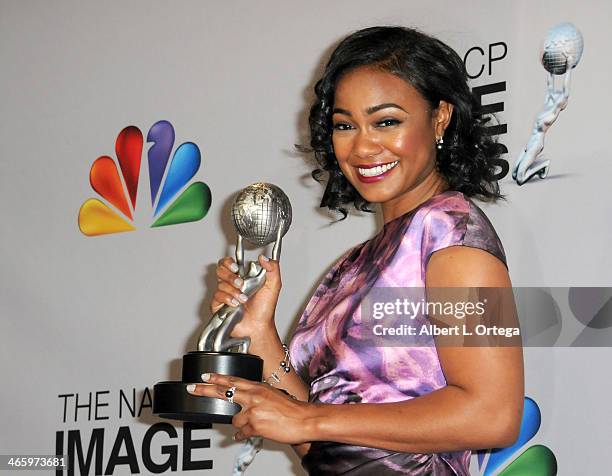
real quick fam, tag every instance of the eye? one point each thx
(388, 122)
(342, 126)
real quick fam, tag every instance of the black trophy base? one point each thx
(171, 399)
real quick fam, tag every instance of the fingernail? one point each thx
(243, 297)
(265, 258)
(238, 282)
(205, 376)
(191, 388)
(234, 267)
(235, 302)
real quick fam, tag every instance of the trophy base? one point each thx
(171, 399)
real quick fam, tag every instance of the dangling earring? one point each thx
(439, 143)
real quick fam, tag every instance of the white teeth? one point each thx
(374, 171)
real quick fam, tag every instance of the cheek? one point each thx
(409, 143)
(342, 146)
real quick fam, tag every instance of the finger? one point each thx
(272, 267)
(232, 291)
(220, 298)
(245, 432)
(240, 419)
(264, 261)
(206, 390)
(229, 263)
(216, 304)
(228, 381)
(217, 391)
(225, 275)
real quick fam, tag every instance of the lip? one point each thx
(371, 166)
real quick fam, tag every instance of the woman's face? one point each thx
(384, 135)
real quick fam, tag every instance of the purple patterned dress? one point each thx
(340, 367)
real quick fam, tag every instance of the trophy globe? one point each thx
(259, 210)
(562, 49)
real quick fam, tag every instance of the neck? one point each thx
(431, 186)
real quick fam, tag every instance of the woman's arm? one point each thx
(268, 346)
(258, 323)
(480, 407)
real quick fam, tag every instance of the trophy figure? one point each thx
(261, 214)
(561, 53)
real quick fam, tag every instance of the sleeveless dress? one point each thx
(341, 367)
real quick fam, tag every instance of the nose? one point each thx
(366, 145)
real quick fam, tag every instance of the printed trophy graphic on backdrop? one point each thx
(261, 214)
(560, 55)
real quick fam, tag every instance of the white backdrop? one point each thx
(115, 313)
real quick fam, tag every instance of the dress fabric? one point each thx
(342, 366)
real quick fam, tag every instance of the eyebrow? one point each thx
(370, 110)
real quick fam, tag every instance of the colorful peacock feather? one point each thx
(98, 218)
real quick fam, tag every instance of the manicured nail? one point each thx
(205, 376)
(235, 302)
(243, 297)
(234, 267)
(191, 388)
(238, 282)
(265, 258)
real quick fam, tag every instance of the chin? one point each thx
(376, 197)
(381, 193)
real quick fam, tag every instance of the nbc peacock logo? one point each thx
(537, 460)
(167, 178)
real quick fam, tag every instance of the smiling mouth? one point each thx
(378, 170)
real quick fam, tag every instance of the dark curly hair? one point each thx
(469, 157)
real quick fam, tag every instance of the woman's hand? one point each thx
(259, 309)
(266, 411)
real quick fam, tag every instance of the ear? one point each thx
(442, 117)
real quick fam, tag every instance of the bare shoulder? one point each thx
(466, 266)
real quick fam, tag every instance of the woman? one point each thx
(394, 123)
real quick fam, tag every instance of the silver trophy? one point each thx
(561, 53)
(261, 214)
